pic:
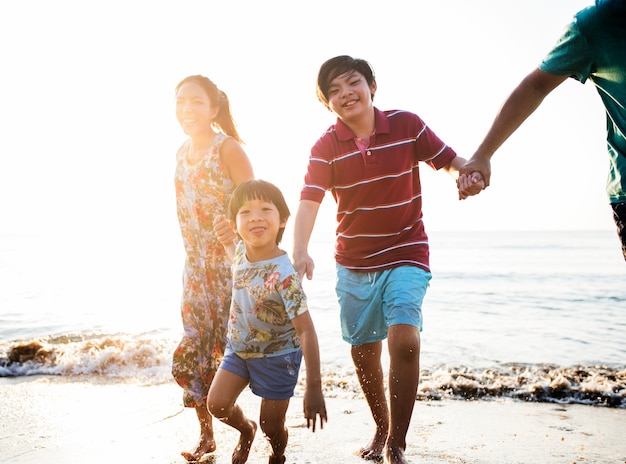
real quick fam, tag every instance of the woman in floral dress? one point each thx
(209, 165)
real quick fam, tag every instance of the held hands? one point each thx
(222, 228)
(470, 184)
(226, 235)
(313, 405)
(478, 165)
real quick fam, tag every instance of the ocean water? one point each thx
(531, 316)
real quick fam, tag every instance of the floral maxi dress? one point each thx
(202, 193)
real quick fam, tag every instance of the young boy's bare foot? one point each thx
(395, 456)
(242, 450)
(205, 445)
(277, 459)
(373, 451)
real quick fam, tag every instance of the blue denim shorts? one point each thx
(272, 378)
(372, 302)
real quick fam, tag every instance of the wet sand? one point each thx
(59, 421)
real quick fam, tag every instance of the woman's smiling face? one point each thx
(194, 110)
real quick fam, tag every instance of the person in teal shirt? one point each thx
(592, 47)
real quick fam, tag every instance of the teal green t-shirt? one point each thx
(594, 46)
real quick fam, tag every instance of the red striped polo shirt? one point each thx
(378, 191)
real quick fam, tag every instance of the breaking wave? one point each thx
(148, 358)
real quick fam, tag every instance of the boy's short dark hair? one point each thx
(257, 189)
(338, 66)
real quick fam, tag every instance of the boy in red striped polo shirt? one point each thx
(369, 161)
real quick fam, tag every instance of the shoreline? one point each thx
(61, 420)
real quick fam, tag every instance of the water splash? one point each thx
(147, 358)
(88, 354)
(592, 385)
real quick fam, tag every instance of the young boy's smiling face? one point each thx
(258, 222)
(350, 96)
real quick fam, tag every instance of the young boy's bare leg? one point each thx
(225, 390)
(248, 430)
(272, 420)
(369, 371)
(206, 444)
(404, 354)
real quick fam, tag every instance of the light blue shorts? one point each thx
(273, 377)
(372, 302)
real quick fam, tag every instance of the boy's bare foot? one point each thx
(205, 445)
(242, 450)
(277, 459)
(373, 451)
(368, 455)
(395, 456)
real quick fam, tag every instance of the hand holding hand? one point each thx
(470, 185)
(222, 228)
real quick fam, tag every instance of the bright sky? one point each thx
(89, 133)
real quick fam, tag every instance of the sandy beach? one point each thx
(56, 420)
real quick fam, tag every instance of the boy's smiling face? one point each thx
(258, 222)
(350, 96)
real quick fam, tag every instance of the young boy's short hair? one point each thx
(257, 189)
(338, 66)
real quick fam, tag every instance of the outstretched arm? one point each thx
(524, 100)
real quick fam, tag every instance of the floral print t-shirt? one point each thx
(267, 295)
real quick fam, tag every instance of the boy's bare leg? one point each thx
(272, 421)
(404, 354)
(369, 370)
(247, 428)
(206, 444)
(225, 390)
